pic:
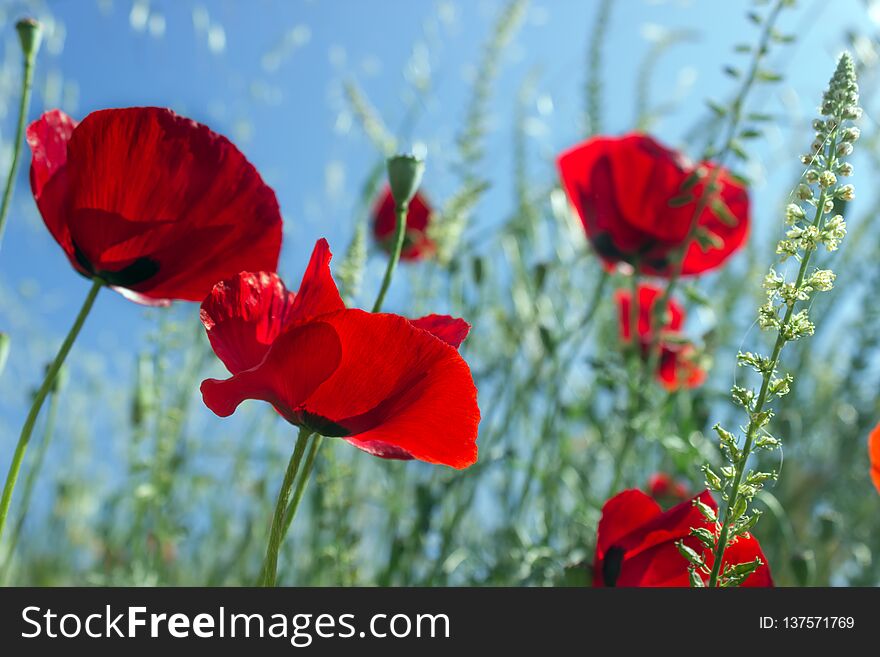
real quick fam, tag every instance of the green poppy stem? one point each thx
(279, 527)
(400, 211)
(29, 48)
(45, 388)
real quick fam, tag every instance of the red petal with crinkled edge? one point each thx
(153, 202)
(243, 315)
(452, 330)
(395, 390)
(318, 293)
(417, 245)
(48, 137)
(303, 357)
(636, 543)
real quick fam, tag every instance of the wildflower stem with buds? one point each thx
(786, 313)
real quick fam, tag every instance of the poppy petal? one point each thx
(155, 203)
(48, 137)
(303, 357)
(874, 456)
(399, 391)
(243, 315)
(318, 293)
(452, 330)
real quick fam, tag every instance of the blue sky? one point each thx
(269, 74)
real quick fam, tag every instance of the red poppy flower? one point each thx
(627, 190)
(417, 244)
(677, 366)
(156, 205)
(392, 387)
(874, 456)
(635, 545)
(662, 488)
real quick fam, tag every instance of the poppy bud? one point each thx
(4, 350)
(404, 176)
(30, 33)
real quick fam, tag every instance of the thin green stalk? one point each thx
(27, 81)
(276, 534)
(48, 382)
(302, 481)
(30, 481)
(400, 212)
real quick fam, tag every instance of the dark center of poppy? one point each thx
(611, 565)
(139, 271)
(321, 425)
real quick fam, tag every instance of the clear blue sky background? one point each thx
(269, 73)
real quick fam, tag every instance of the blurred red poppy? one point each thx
(677, 367)
(664, 488)
(874, 456)
(631, 197)
(417, 244)
(390, 386)
(156, 205)
(635, 544)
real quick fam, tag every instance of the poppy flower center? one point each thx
(611, 565)
(320, 425)
(137, 272)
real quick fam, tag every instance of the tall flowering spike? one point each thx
(638, 202)
(393, 387)
(811, 226)
(153, 204)
(640, 545)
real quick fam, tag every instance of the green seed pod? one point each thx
(404, 176)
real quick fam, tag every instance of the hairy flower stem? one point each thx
(39, 398)
(400, 212)
(279, 524)
(27, 80)
(302, 481)
(761, 400)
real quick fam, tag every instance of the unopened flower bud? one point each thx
(30, 34)
(793, 213)
(845, 169)
(846, 193)
(844, 149)
(827, 179)
(804, 192)
(404, 177)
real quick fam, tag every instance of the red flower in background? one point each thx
(676, 367)
(417, 244)
(622, 187)
(390, 386)
(635, 544)
(874, 456)
(156, 205)
(663, 488)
